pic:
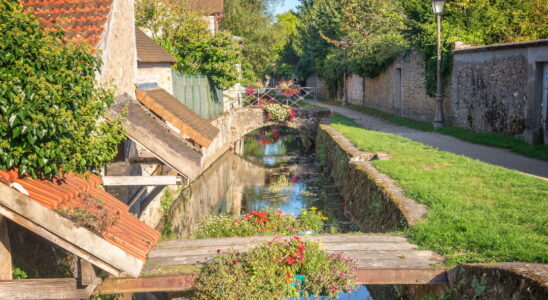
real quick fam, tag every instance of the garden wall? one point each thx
(372, 201)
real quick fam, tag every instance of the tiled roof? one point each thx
(150, 52)
(177, 114)
(152, 133)
(70, 192)
(82, 20)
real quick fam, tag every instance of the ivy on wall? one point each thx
(51, 108)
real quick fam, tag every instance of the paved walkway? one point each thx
(495, 156)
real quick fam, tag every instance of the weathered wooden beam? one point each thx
(64, 288)
(142, 180)
(117, 285)
(87, 274)
(145, 160)
(64, 233)
(401, 276)
(5, 251)
(176, 283)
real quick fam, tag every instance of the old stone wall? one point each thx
(354, 88)
(404, 77)
(372, 201)
(159, 73)
(496, 89)
(118, 49)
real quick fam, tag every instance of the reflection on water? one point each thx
(269, 169)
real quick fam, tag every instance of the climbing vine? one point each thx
(52, 112)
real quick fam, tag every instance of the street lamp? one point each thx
(437, 7)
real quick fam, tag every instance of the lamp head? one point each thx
(438, 6)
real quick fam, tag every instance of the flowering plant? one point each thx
(269, 222)
(288, 89)
(279, 112)
(268, 272)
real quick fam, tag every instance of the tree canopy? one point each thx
(185, 35)
(52, 108)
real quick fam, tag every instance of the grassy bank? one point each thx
(490, 139)
(477, 212)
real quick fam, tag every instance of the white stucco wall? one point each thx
(159, 73)
(118, 50)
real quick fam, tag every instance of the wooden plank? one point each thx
(116, 285)
(178, 283)
(141, 180)
(422, 256)
(65, 288)
(342, 238)
(183, 251)
(62, 232)
(404, 277)
(145, 160)
(87, 274)
(5, 251)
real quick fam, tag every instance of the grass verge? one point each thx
(476, 212)
(490, 139)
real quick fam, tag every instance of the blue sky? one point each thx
(287, 5)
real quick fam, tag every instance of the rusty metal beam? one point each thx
(176, 283)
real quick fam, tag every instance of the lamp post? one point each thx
(437, 7)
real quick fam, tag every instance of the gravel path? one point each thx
(495, 156)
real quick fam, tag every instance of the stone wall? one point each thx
(159, 73)
(372, 201)
(354, 88)
(118, 49)
(236, 123)
(498, 88)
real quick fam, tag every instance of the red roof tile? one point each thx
(82, 20)
(70, 191)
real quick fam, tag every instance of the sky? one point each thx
(287, 5)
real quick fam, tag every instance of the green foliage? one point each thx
(269, 222)
(18, 273)
(263, 38)
(52, 110)
(481, 22)
(278, 112)
(185, 35)
(477, 212)
(268, 272)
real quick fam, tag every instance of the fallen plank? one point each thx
(64, 288)
(178, 283)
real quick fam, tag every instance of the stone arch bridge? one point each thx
(235, 124)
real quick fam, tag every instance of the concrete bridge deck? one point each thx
(381, 259)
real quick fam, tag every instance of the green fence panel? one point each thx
(198, 93)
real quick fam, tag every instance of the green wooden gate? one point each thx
(198, 93)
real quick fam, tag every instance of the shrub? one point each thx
(268, 272)
(278, 112)
(52, 109)
(270, 222)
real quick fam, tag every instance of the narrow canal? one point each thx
(271, 168)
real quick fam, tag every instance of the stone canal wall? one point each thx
(372, 201)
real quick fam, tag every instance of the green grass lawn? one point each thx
(477, 212)
(490, 139)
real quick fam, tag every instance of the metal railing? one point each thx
(263, 96)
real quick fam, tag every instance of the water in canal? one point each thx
(271, 168)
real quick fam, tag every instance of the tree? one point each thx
(186, 36)
(253, 21)
(53, 111)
